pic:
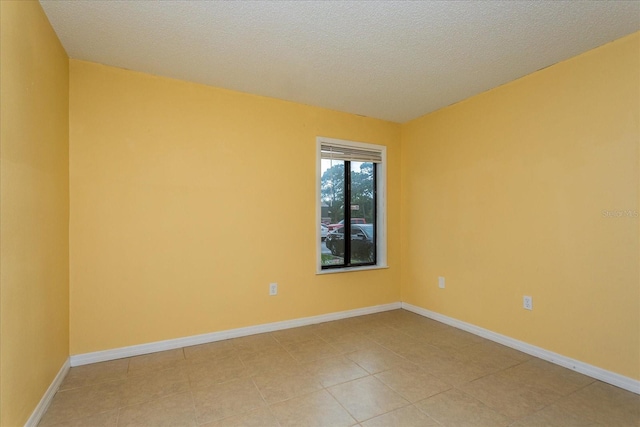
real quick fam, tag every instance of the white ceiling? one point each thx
(394, 60)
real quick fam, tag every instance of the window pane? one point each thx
(351, 185)
(363, 213)
(332, 191)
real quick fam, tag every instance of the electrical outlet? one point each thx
(527, 302)
(441, 282)
(273, 289)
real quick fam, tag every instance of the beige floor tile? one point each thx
(409, 416)
(454, 408)
(349, 342)
(453, 371)
(295, 335)
(157, 384)
(421, 353)
(318, 409)
(333, 330)
(172, 411)
(412, 383)
(95, 373)
(542, 374)
(367, 397)
(269, 360)
(104, 419)
(347, 324)
(377, 332)
(216, 371)
(398, 322)
(605, 404)
(492, 348)
(398, 343)
(261, 417)
(308, 351)
(254, 343)
(156, 361)
(334, 370)
(452, 338)
(416, 326)
(362, 327)
(82, 402)
(226, 400)
(511, 398)
(420, 332)
(213, 350)
(376, 359)
(492, 357)
(283, 384)
(381, 332)
(555, 416)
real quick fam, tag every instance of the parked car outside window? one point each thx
(362, 243)
(341, 222)
(324, 230)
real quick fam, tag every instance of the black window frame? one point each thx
(328, 148)
(347, 221)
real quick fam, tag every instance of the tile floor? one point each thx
(387, 369)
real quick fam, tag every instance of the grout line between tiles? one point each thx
(342, 406)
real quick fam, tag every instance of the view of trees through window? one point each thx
(354, 218)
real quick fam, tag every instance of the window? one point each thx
(351, 205)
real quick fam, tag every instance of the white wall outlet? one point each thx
(527, 302)
(273, 289)
(441, 282)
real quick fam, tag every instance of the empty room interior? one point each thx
(178, 178)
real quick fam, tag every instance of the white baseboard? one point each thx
(584, 368)
(44, 403)
(136, 350)
(609, 377)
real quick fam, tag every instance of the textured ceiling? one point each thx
(394, 60)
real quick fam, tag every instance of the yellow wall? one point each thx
(503, 194)
(187, 200)
(34, 212)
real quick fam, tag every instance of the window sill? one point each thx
(350, 269)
